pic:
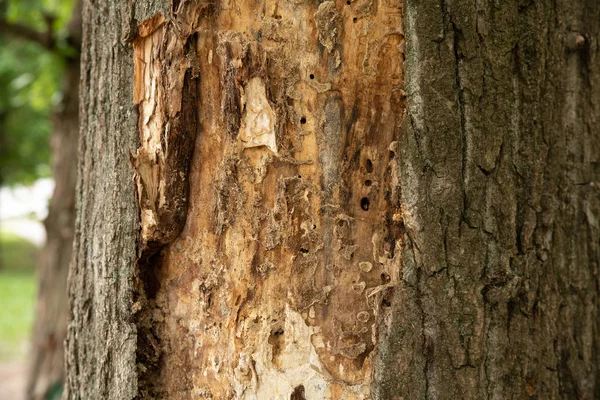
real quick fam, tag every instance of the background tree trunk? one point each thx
(362, 199)
(46, 374)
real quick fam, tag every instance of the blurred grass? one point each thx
(17, 254)
(17, 295)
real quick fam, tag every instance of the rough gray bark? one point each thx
(101, 337)
(500, 180)
(482, 282)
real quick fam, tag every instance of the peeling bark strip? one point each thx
(286, 267)
(165, 90)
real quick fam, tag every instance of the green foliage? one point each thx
(29, 78)
(31, 12)
(55, 392)
(24, 111)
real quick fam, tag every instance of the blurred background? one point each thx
(39, 76)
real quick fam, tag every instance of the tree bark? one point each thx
(46, 372)
(337, 200)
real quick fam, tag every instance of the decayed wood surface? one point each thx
(383, 200)
(289, 258)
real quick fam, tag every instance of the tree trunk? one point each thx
(338, 200)
(46, 374)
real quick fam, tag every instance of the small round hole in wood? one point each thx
(364, 203)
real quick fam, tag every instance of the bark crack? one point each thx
(461, 103)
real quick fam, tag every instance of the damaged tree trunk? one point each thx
(337, 200)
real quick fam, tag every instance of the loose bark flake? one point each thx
(165, 92)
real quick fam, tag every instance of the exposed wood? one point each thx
(277, 197)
